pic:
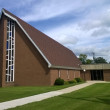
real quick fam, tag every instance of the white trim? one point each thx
(49, 64)
(59, 73)
(14, 56)
(74, 74)
(64, 67)
(68, 77)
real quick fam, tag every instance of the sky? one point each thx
(83, 26)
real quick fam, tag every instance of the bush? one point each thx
(72, 81)
(66, 82)
(59, 81)
(78, 79)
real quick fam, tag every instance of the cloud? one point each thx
(101, 32)
(99, 52)
(67, 39)
(54, 8)
(89, 34)
(46, 10)
(14, 5)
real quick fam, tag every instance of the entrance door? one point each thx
(96, 74)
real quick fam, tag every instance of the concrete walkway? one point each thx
(39, 97)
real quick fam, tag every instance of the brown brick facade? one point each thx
(1, 48)
(85, 75)
(106, 75)
(64, 74)
(3, 34)
(53, 75)
(30, 67)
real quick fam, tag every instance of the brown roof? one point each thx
(57, 54)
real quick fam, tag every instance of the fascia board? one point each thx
(64, 67)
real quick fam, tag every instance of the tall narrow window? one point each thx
(10, 50)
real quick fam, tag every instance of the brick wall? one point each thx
(64, 74)
(1, 49)
(53, 75)
(3, 34)
(86, 75)
(106, 74)
(30, 67)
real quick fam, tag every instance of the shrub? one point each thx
(74, 80)
(71, 82)
(66, 82)
(59, 81)
(78, 79)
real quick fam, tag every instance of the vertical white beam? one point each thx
(14, 54)
(59, 73)
(68, 74)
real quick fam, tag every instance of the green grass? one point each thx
(10, 93)
(94, 97)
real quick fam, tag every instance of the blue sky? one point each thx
(81, 25)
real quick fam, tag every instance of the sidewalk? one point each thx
(39, 97)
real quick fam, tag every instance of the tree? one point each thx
(100, 60)
(89, 61)
(83, 58)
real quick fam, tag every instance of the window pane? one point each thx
(7, 44)
(10, 51)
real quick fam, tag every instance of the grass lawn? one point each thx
(94, 97)
(10, 93)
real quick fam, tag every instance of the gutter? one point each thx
(65, 67)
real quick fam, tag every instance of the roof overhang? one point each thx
(95, 67)
(65, 67)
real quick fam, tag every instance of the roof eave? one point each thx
(49, 64)
(65, 67)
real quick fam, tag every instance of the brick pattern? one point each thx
(106, 75)
(30, 67)
(3, 34)
(85, 75)
(53, 75)
(63, 74)
(1, 50)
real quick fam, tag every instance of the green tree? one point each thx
(100, 60)
(83, 58)
(89, 61)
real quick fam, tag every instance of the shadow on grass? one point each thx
(99, 99)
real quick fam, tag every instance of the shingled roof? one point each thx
(55, 54)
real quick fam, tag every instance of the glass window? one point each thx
(10, 51)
